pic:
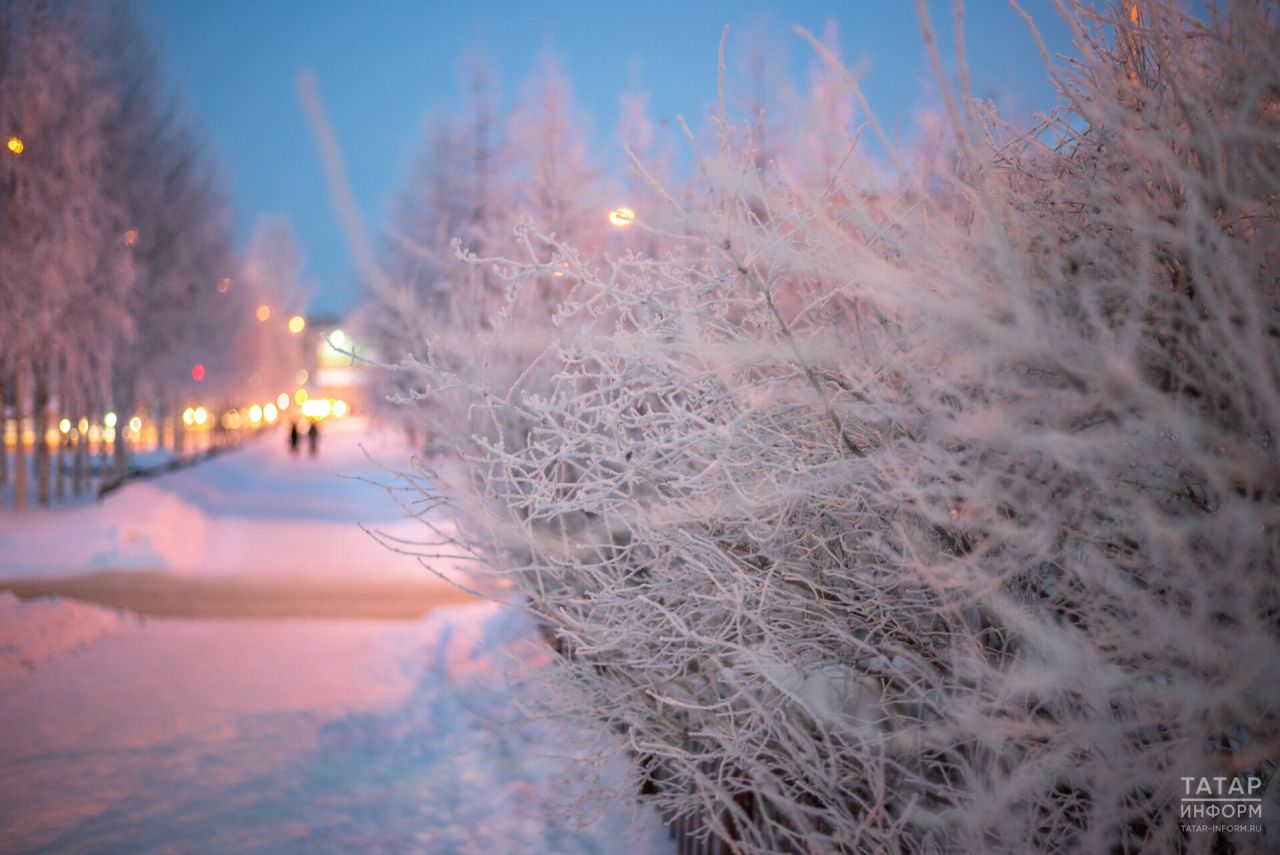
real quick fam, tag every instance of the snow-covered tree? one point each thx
(178, 233)
(115, 237)
(63, 266)
(932, 513)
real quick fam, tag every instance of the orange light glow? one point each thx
(300, 397)
(224, 285)
(264, 312)
(317, 408)
(297, 324)
(130, 237)
(16, 145)
(622, 217)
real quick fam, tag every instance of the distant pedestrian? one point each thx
(294, 438)
(313, 436)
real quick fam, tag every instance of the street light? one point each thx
(297, 324)
(16, 145)
(622, 217)
(264, 312)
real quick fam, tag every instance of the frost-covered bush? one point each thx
(937, 512)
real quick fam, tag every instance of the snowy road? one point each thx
(160, 735)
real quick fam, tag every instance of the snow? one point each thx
(36, 632)
(301, 517)
(125, 734)
(293, 736)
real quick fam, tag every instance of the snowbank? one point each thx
(34, 632)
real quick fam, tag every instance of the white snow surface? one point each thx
(296, 737)
(256, 510)
(35, 632)
(120, 734)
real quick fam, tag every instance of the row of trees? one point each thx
(919, 502)
(117, 269)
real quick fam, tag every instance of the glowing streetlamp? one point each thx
(130, 237)
(264, 312)
(15, 145)
(109, 420)
(297, 324)
(622, 217)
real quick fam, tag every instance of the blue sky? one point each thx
(384, 68)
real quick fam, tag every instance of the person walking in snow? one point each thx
(313, 436)
(294, 438)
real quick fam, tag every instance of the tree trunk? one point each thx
(4, 430)
(20, 449)
(120, 463)
(40, 404)
(81, 454)
(61, 465)
(99, 469)
(160, 410)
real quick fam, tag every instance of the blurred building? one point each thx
(337, 371)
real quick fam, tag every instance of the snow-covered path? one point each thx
(283, 737)
(255, 511)
(146, 735)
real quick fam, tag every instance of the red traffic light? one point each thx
(197, 372)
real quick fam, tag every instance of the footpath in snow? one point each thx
(121, 733)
